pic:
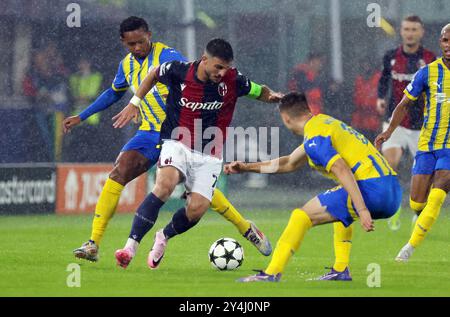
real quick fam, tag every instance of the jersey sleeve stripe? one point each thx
(118, 89)
(332, 161)
(411, 97)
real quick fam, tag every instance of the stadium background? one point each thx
(269, 39)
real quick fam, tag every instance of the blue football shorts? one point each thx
(146, 143)
(382, 196)
(426, 163)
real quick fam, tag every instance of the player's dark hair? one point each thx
(132, 24)
(221, 49)
(414, 18)
(294, 104)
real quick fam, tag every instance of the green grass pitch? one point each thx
(36, 250)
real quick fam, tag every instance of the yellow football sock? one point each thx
(415, 206)
(342, 245)
(428, 216)
(105, 208)
(289, 241)
(222, 206)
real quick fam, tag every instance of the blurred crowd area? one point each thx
(50, 70)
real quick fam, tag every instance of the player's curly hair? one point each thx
(294, 104)
(221, 49)
(131, 24)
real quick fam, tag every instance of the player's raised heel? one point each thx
(261, 277)
(334, 275)
(88, 251)
(123, 257)
(405, 253)
(258, 239)
(157, 252)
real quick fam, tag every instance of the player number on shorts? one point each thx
(215, 181)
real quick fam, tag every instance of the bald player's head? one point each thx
(444, 43)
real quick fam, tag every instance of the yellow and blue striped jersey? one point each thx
(328, 139)
(132, 72)
(433, 80)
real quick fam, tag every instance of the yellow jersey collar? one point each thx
(441, 61)
(308, 123)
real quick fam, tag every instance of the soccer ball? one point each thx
(226, 254)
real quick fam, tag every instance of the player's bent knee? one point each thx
(125, 171)
(118, 176)
(196, 209)
(415, 206)
(442, 181)
(163, 189)
(195, 214)
(314, 210)
(315, 221)
(304, 215)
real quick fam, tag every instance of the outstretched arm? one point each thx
(131, 111)
(269, 96)
(418, 85)
(284, 164)
(148, 83)
(104, 101)
(397, 117)
(345, 176)
(248, 88)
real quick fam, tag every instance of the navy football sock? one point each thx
(145, 217)
(179, 224)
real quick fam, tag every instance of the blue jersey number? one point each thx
(352, 131)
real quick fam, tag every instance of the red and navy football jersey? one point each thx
(198, 113)
(398, 70)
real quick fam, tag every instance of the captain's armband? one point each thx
(255, 90)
